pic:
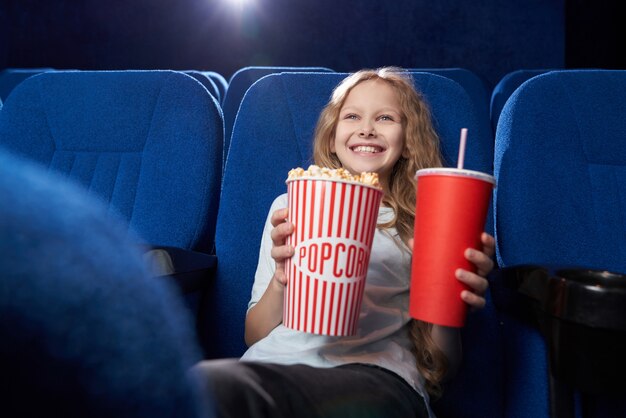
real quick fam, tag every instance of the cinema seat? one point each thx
(147, 143)
(505, 87)
(206, 81)
(220, 82)
(560, 164)
(85, 331)
(239, 83)
(475, 86)
(273, 134)
(11, 77)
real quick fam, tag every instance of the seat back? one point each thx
(219, 81)
(148, 143)
(84, 330)
(207, 82)
(475, 86)
(505, 87)
(560, 164)
(273, 133)
(239, 83)
(561, 159)
(11, 77)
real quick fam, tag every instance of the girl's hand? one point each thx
(280, 250)
(478, 284)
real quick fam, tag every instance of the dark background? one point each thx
(489, 37)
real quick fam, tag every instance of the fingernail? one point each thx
(469, 252)
(458, 273)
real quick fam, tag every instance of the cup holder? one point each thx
(585, 312)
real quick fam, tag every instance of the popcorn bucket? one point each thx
(334, 223)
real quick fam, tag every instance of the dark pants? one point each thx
(250, 389)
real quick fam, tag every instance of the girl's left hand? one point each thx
(478, 284)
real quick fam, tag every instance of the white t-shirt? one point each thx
(382, 336)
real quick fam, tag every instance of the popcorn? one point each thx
(314, 171)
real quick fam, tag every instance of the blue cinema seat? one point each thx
(560, 164)
(220, 82)
(273, 133)
(239, 83)
(11, 77)
(207, 82)
(148, 143)
(85, 331)
(475, 86)
(505, 87)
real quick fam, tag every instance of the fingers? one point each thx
(489, 244)
(476, 283)
(482, 261)
(282, 252)
(473, 300)
(279, 216)
(282, 229)
(280, 232)
(478, 287)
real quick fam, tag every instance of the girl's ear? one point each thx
(332, 145)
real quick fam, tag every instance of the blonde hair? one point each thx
(421, 150)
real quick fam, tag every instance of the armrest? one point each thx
(581, 314)
(590, 297)
(594, 298)
(192, 271)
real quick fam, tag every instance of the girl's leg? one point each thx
(262, 390)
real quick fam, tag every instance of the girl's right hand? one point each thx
(280, 250)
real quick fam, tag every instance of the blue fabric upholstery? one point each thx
(273, 133)
(206, 81)
(560, 164)
(84, 330)
(11, 77)
(560, 154)
(148, 143)
(505, 87)
(239, 83)
(219, 81)
(472, 83)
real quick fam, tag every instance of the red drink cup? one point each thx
(334, 223)
(450, 215)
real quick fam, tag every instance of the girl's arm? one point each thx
(267, 313)
(448, 339)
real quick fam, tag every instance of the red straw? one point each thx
(462, 148)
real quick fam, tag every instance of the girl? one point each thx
(376, 122)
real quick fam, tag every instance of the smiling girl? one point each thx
(375, 122)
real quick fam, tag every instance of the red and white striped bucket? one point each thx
(334, 226)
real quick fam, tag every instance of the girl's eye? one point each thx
(350, 116)
(385, 117)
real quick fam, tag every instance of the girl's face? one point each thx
(369, 134)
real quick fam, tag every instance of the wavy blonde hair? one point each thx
(421, 150)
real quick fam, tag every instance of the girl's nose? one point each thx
(367, 132)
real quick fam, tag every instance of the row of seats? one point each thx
(229, 93)
(149, 145)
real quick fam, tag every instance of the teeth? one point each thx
(364, 148)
